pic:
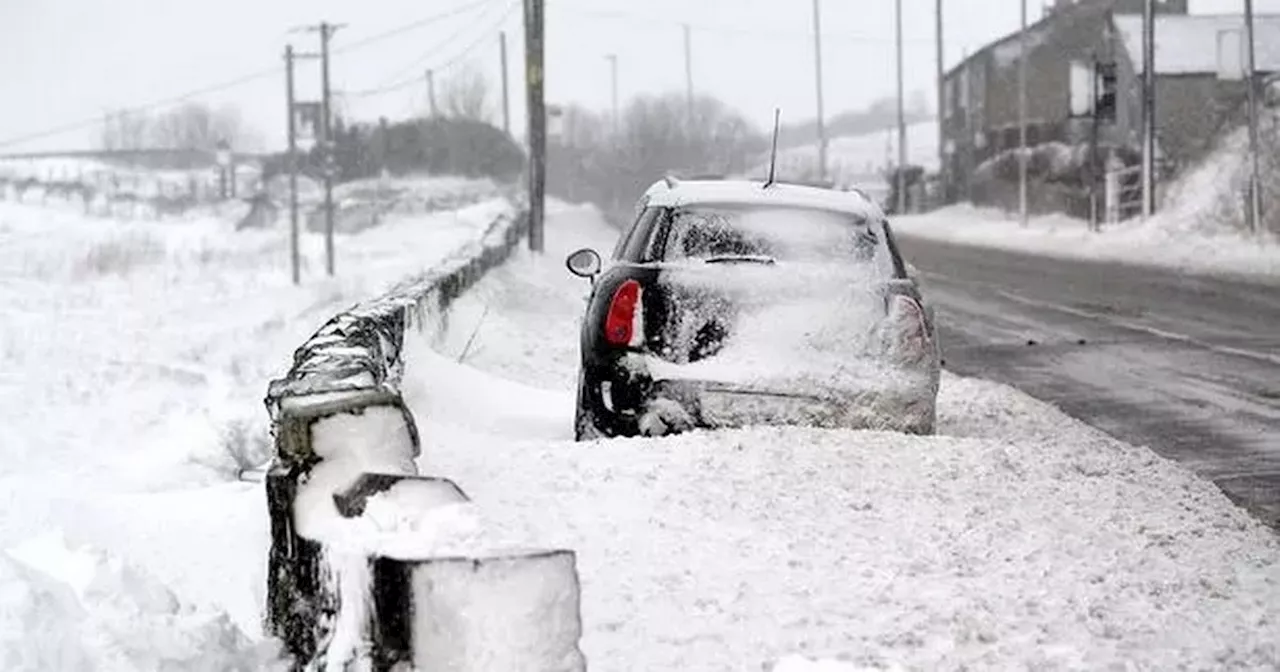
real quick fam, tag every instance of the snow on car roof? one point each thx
(743, 192)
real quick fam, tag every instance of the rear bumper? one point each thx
(720, 405)
(630, 403)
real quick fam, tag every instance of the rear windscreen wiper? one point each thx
(741, 258)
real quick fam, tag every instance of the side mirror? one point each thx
(584, 263)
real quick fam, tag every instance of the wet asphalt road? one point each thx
(1187, 365)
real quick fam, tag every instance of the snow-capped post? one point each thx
(512, 612)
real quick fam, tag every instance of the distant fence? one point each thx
(117, 190)
(351, 368)
(152, 159)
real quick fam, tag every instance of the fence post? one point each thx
(1112, 197)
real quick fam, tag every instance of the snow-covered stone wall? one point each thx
(349, 537)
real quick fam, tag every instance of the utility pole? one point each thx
(292, 160)
(902, 116)
(1022, 116)
(688, 71)
(326, 112)
(1255, 186)
(431, 92)
(613, 79)
(942, 94)
(1148, 109)
(817, 58)
(506, 100)
(537, 111)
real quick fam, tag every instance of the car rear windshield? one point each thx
(781, 234)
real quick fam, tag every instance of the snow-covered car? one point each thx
(730, 303)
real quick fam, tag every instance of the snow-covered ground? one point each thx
(1197, 228)
(134, 357)
(133, 360)
(1015, 538)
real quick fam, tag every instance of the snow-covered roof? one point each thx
(1188, 44)
(689, 192)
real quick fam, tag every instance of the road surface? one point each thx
(1186, 365)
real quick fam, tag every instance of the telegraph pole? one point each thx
(688, 71)
(817, 58)
(431, 92)
(537, 112)
(1255, 187)
(1148, 109)
(326, 112)
(902, 117)
(1022, 116)
(292, 161)
(613, 79)
(506, 100)
(942, 94)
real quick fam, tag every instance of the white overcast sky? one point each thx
(71, 60)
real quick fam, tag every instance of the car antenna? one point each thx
(773, 153)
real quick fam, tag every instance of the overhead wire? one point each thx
(416, 78)
(89, 122)
(726, 29)
(414, 25)
(397, 80)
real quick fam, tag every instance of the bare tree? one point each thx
(465, 94)
(124, 130)
(656, 138)
(198, 126)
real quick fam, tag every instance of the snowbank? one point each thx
(1158, 242)
(1018, 537)
(65, 609)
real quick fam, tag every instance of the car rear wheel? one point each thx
(584, 421)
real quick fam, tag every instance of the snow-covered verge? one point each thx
(133, 359)
(1015, 538)
(1158, 242)
(1196, 229)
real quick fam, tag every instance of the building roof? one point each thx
(781, 194)
(1188, 44)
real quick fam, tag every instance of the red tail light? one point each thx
(908, 318)
(621, 322)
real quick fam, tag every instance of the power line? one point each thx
(729, 30)
(426, 21)
(89, 122)
(164, 102)
(417, 79)
(387, 85)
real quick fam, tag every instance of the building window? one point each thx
(1081, 89)
(1230, 54)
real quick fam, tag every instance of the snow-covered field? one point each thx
(133, 360)
(1017, 538)
(1197, 228)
